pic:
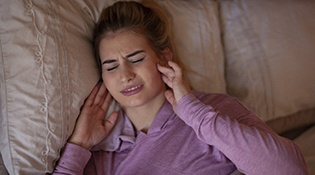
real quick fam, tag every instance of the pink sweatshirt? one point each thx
(213, 134)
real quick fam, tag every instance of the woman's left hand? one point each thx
(173, 77)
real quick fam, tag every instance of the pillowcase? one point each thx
(197, 38)
(306, 143)
(270, 49)
(47, 69)
(3, 170)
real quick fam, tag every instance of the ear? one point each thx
(167, 54)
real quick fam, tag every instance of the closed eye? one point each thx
(136, 61)
(111, 69)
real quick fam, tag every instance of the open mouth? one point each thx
(132, 90)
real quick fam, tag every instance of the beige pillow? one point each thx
(198, 42)
(306, 143)
(47, 69)
(3, 170)
(270, 51)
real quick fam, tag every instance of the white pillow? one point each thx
(270, 51)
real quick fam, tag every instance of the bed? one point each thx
(262, 52)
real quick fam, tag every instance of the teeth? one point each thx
(133, 88)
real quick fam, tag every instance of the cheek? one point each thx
(154, 75)
(108, 82)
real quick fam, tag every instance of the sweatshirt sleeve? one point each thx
(73, 160)
(239, 134)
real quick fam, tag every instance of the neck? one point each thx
(143, 116)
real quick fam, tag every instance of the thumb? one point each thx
(171, 99)
(110, 122)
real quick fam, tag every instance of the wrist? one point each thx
(79, 143)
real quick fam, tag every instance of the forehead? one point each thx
(122, 41)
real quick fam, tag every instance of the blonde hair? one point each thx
(144, 18)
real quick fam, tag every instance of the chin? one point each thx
(133, 104)
(130, 102)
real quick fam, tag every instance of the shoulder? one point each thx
(214, 98)
(223, 103)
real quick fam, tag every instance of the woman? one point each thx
(163, 127)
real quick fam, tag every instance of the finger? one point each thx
(170, 97)
(110, 122)
(176, 68)
(100, 96)
(169, 72)
(106, 101)
(167, 81)
(90, 99)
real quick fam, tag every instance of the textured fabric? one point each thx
(212, 132)
(269, 48)
(197, 38)
(46, 71)
(307, 145)
(3, 170)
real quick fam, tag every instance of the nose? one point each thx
(127, 73)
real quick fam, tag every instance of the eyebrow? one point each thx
(134, 53)
(127, 56)
(108, 61)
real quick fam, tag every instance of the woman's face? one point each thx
(129, 69)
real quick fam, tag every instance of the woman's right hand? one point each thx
(90, 128)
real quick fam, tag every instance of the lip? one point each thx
(131, 90)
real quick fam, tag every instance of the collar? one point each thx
(165, 116)
(123, 130)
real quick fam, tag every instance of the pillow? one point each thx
(47, 69)
(306, 143)
(270, 50)
(196, 34)
(3, 170)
